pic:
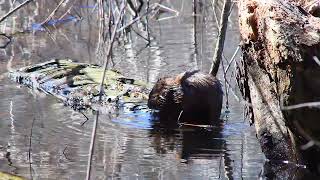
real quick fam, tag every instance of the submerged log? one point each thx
(281, 68)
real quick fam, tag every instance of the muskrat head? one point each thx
(164, 94)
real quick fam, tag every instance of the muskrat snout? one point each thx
(156, 101)
(161, 94)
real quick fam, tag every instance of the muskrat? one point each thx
(197, 95)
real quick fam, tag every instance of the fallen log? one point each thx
(280, 68)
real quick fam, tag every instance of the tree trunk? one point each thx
(280, 68)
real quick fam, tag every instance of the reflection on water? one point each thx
(129, 144)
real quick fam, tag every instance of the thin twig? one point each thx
(166, 18)
(232, 59)
(93, 138)
(167, 8)
(315, 58)
(53, 12)
(215, 14)
(64, 153)
(101, 26)
(306, 136)
(140, 35)
(196, 125)
(101, 20)
(152, 7)
(87, 119)
(30, 141)
(108, 54)
(9, 38)
(94, 128)
(179, 117)
(69, 10)
(225, 86)
(14, 10)
(296, 124)
(147, 22)
(297, 106)
(30, 148)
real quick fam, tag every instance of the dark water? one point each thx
(129, 145)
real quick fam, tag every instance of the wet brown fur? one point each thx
(196, 93)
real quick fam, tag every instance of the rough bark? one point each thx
(280, 39)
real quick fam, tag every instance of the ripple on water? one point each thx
(139, 120)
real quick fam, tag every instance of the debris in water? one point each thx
(77, 84)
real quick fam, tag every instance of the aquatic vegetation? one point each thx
(6, 176)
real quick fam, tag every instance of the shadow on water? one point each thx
(191, 142)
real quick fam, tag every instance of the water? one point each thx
(129, 145)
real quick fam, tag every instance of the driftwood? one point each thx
(280, 68)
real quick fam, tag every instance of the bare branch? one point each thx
(221, 38)
(305, 135)
(94, 128)
(14, 10)
(53, 12)
(152, 7)
(30, 147)
(315, 58)
(297, 106)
